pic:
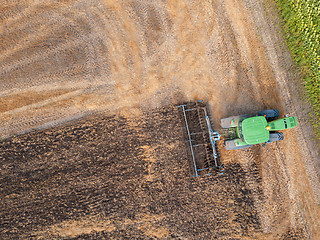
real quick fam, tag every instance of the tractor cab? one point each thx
(254, 130)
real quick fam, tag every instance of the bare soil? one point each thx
(123, 178)
(100, 177)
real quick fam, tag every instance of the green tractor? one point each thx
(238, 132)
(244, 131)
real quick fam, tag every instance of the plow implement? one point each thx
(200, 139)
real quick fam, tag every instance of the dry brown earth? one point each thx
(62, 60)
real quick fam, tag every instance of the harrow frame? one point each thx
(201, 138)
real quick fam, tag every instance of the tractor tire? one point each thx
(274, 137)
(270, 114)
(229, 144)
(226, 122)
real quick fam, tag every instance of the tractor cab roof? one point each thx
(254, 130)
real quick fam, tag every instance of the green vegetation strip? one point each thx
(302, 24)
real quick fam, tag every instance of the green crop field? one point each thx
(301, 20)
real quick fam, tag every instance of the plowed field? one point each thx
(122, 172)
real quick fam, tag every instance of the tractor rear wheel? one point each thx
(232, 121)
(231, 146)
(270, 114)
(274, 137)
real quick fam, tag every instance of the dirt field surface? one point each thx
(120, 178)
(122, 174)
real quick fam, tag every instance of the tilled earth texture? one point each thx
(121, 172)
(121, 178)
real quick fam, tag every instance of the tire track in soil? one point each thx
(271, 201)
(148, 53)
(302, 155)
(151, 55)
